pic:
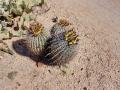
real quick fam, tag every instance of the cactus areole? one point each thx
(36, 28)
(71, 37)
(64, 22)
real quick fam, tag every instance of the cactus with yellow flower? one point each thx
(36, 38)
(62, 47)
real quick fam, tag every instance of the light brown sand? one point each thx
(95, 67)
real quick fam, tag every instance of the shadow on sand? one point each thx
(20, 48)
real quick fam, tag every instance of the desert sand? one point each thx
(96, 66)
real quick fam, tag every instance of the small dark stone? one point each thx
(79, 81)
(50, 71)
(18, 83)
(55, 19)
(85, 88)
(88, 58)
(72, 74)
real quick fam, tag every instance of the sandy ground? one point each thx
(95, 67)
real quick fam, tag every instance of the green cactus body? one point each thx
(62, 47)
(59, 27)
(36, 38)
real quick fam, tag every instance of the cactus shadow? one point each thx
(20, 48)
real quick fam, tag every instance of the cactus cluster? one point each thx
(59, 49)
(63, 44)
(36, 38)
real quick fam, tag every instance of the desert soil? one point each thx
(95, 67)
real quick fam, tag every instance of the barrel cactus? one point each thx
(62, 47)
(61, 26)
(36, 38)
